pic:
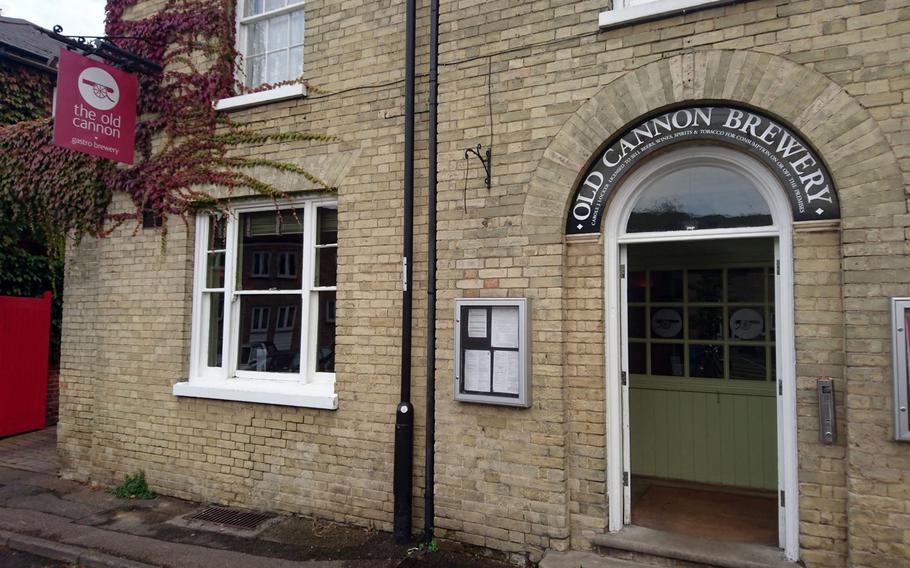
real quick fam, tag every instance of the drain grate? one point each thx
(234, 518)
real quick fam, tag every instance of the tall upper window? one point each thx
(271, 40)
(260, 319)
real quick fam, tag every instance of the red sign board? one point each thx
(96, 108)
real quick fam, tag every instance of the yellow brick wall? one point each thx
(514, 480)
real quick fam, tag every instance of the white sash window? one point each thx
(264, 331)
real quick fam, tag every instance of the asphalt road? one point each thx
(15, 559)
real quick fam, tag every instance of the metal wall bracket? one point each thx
(106, 49)
(486, 163)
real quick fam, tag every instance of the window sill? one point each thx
(262, 97)
(652, 10)
(310, 395)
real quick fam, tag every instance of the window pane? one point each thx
(295, 64)
(276, 67)
(706, 361)
(214, 273)
(706, 323)
(747, 363)
(666, 286)
(269, 334)
(637, 353)
(253, 7)
(667, 359)
(745, 285)
(278, 32)
(274, 4)
(325, 333)
(265, 238)
(256, 39)
(217, 233)
(666, 323)
(255, 71)
(747, 324)
(699, 197)
(636, 321)
(706, 285)
(297, 27)
(327, 227)
(326, 266)
(637, 286)
(215, 338)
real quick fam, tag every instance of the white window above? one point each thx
(271, 40)
(626, 12)
(264, 333)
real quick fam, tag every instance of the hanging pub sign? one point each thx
(95, 111)
(796, 165)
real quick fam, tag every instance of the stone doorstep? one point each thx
(667, 545)
(579, 559)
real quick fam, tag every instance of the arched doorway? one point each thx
(699, 332)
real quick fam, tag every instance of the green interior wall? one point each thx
(703, 430)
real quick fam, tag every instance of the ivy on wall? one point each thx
(182, 143)
(25, 93)
(25, 267)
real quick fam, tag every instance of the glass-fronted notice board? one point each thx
(491, 351)
(900, 333)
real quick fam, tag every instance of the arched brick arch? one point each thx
(844, 133)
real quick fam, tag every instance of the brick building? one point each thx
(704, 203)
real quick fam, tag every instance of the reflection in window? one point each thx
(287, 264)
(276, 319)
(267, 238)
(269, 344)
(699, 197)
(325, 333)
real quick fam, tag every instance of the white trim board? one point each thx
(246, 100)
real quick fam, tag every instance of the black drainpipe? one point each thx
(404, 414)
(429, 509)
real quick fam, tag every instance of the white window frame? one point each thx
(276, 94)
(307, 388)
(627, 12)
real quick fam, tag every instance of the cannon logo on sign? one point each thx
(798, 168)
(96, 108)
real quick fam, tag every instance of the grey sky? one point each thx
(78, 17)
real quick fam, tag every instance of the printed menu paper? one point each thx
(476, 370)
(505, 327)
(505, 372)
(477, 322)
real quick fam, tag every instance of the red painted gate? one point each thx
(25, 325)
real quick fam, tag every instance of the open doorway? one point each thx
(701, 345)
(721, 400)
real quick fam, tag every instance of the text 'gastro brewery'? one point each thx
(799, 169)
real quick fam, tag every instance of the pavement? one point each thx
(73, 524)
